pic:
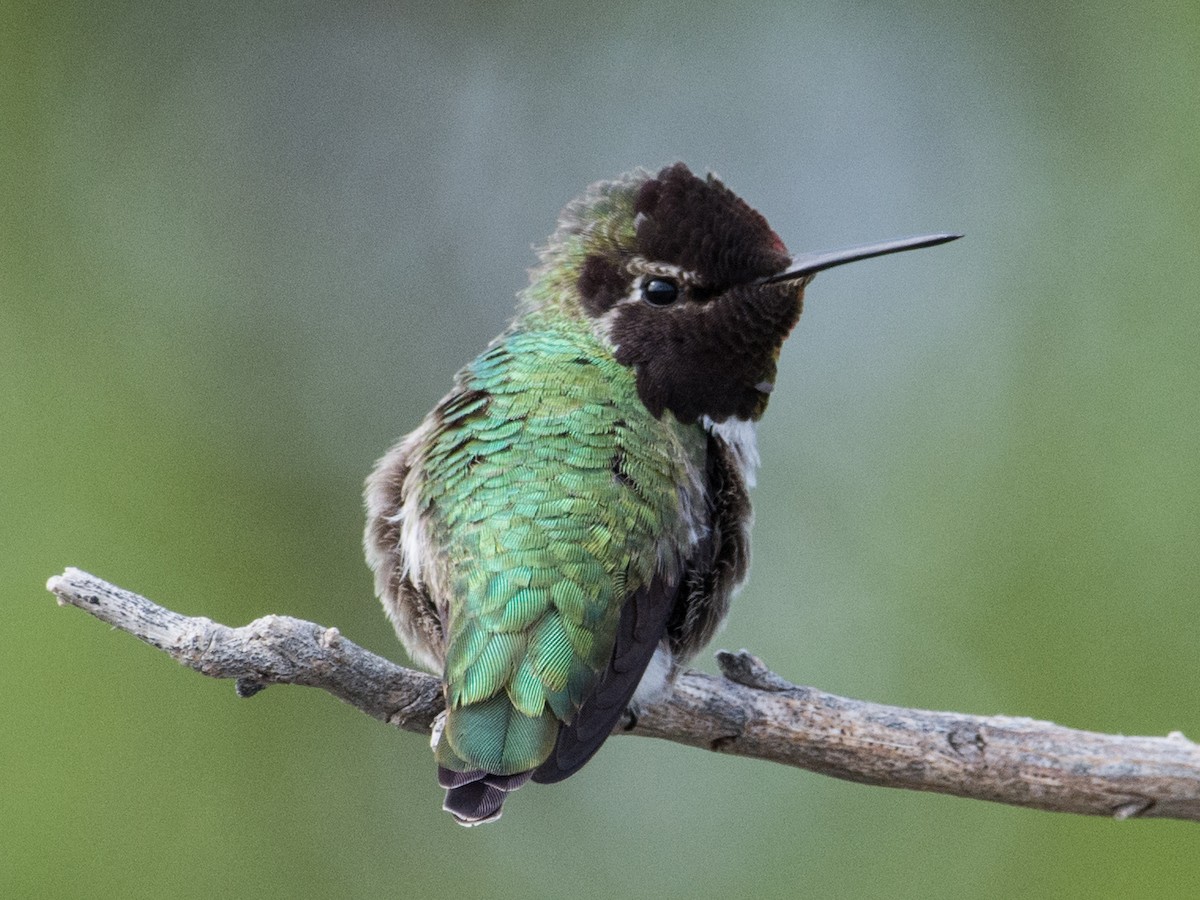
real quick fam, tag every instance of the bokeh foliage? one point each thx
(244, 247)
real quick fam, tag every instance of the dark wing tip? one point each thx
(643, 622)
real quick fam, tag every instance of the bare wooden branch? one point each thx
(750, 712)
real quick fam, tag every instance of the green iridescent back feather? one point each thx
(550, 492)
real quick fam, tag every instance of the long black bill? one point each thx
(809, 264)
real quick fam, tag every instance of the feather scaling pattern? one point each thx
(548, 495)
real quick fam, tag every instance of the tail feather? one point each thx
(476, 798)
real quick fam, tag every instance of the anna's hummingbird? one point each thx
(564, 531)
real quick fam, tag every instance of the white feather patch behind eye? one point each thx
(644, 269)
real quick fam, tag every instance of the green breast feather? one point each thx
(548, 490)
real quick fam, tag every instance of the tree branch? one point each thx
(750, 712)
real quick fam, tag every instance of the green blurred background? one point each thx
(245, 247)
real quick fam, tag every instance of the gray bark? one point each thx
(749, 712)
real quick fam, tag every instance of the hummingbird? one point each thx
(566, 529)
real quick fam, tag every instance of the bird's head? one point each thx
(687, 284)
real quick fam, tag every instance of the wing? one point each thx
(685, 609)
(642, 625)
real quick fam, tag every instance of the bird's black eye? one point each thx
(660, 292)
